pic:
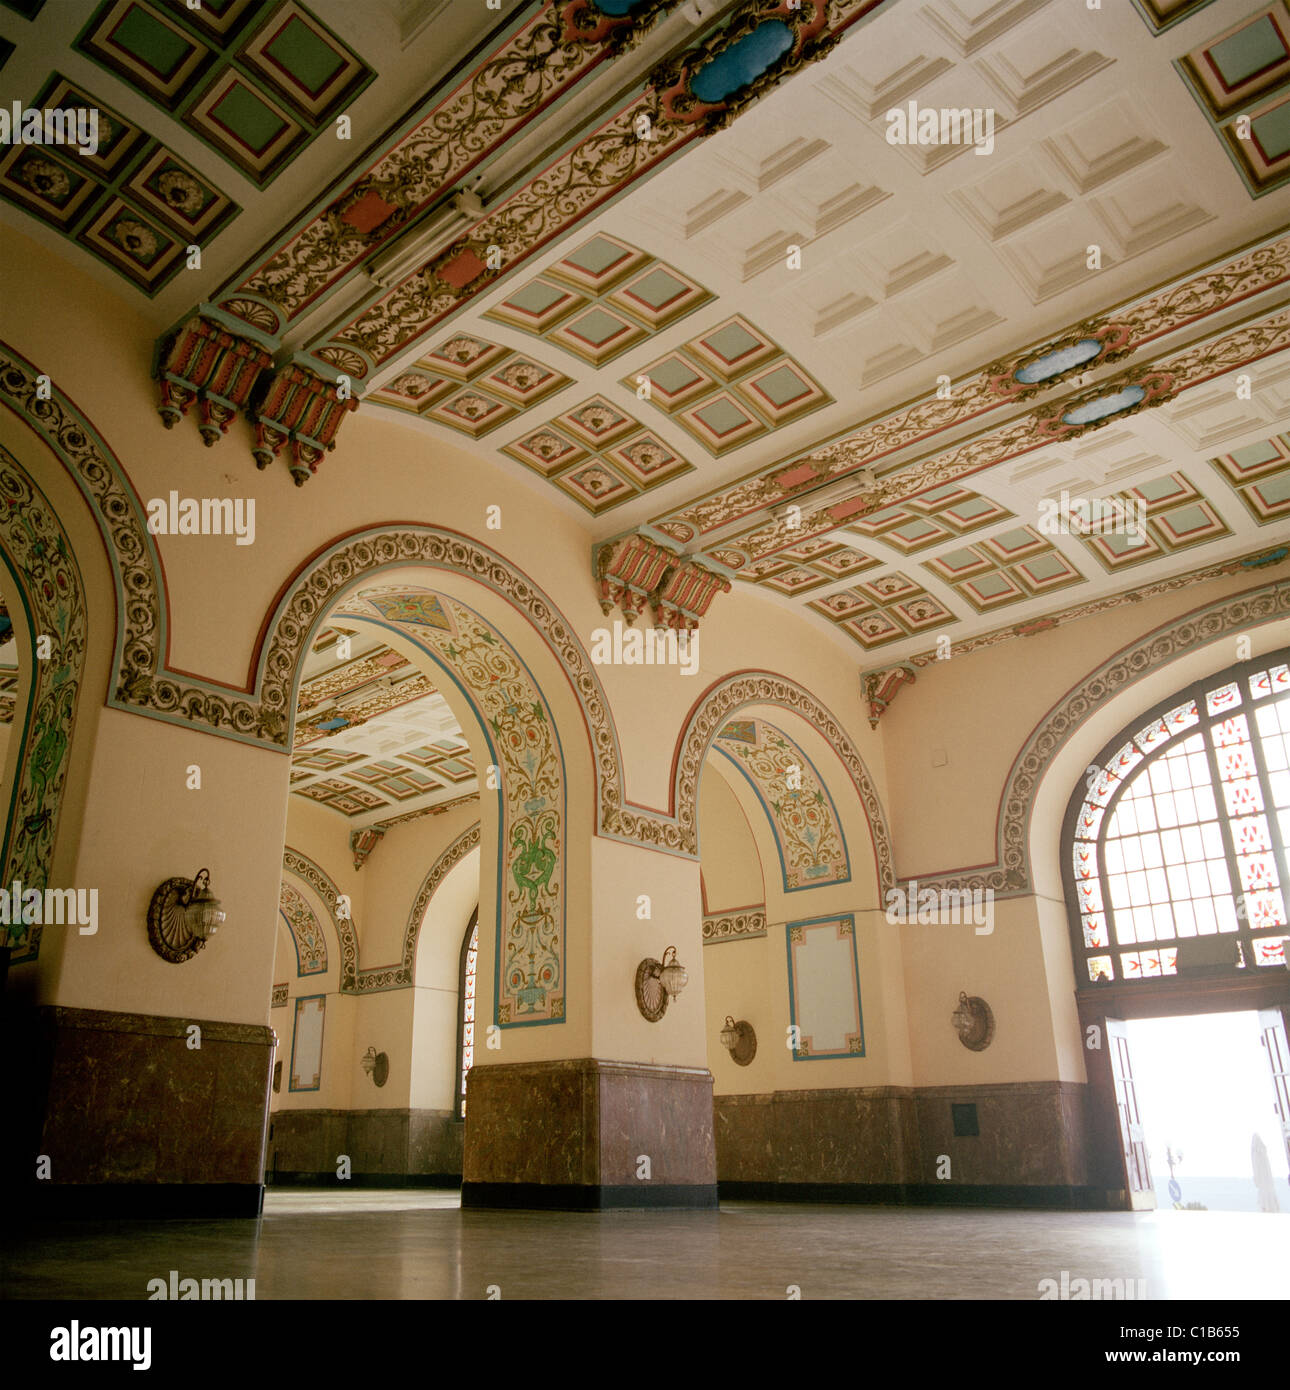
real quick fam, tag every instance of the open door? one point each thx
(1272, 1027)
(1139, 1189)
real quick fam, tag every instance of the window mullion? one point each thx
(1270, 816)
(1208, 724)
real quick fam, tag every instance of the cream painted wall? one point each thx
(732, 874)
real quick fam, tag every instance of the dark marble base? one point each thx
(587, 1134)
(398, 1145)
(892, 1140)
(107, 1107)
(534, 1196)
(919, 1194)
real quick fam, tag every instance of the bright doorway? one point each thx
(1205, 1089)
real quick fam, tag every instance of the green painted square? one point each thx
(597, 256)
(722, 416)
(1187, 519)
(658, 288)
(968, 511)
(1254, 454)
(939, 494)
(783, 386)
(1157, 489)
(597, 327)
(673, 375)
(1046, 567)
(1014, 540)
(536, 298)
(732, 342)
(1275, 491)
(255, 124)
(306, 55)
(913, 531)
(1272, 131)
(991, 586)
(1248, 51)
(145, 37)
(960, 560)
(1122, 542)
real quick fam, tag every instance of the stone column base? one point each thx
(119, 1114)
(586, 1135)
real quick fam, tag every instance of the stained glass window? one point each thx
(469, 955)
(1181, 830)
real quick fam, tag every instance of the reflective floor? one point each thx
(419, 1244)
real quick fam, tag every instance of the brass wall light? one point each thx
(183, 916)
(739, 1040)
(973, 1021)
(657, 982)
(376, 1065)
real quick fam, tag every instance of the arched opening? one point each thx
(1174, 855)
(429, 797)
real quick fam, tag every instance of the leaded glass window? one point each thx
(1182, 833)
(467, 1049)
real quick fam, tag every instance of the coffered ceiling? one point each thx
(374, 740)
(841, 371)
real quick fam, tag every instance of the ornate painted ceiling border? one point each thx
(403, 977)
(39, 558)
(881, 684)
(304, 868)
(1155, 383)
(599, 168)
(536, 64)
(1119, 331)
(1009, 875)
(743, 924)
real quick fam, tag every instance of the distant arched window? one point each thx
(466, 1034)
(1181, 833)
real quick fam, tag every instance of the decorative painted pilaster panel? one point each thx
(824, 989)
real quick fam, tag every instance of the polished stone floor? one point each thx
(421, 1245)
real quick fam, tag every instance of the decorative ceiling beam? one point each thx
(1065, 359)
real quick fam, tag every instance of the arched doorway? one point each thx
(1174, 854)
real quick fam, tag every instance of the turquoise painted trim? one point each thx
(792, 998)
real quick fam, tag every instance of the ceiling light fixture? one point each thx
(424, 241)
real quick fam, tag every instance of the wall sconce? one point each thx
(657, 982)
(183, 916)
(973, 1021)
(739, 1040)
(376, 1065)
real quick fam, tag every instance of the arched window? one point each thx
(1180, 833)
(466, 1037)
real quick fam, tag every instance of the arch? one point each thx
(47, 582)
(306, 932)
(467, 841)
(293, 862)
(731, 694)
(1153, 856)
(523, 739)
(803, 819)
(1011, 874)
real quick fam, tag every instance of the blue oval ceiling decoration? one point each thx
(617, 8)
(1053, 364)
(1104, 406)
(743, 62)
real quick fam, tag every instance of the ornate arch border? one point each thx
(1010, 874)
(290, 923)
(463, 845)
(38, 557)
(743, 688)
(304, 868)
